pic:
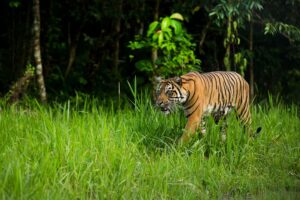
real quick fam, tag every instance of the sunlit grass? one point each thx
(85, 150)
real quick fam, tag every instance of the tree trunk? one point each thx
(19, 35)
(154, 51)
(72, 55)
(251, 73)
(228, 58)
(154, 55)
(216, 59)
(27, 48)
(37, 50)
(116, 45)
(73, 43)
(228, 46)
(141, 21)
(19, 88)
(203, 36)
(156, 10)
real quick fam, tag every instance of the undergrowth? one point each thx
(85, 149)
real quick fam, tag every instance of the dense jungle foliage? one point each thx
(86, 46)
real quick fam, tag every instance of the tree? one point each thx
(174, 47)
(37, 50)
(117, 33)
(237, 13)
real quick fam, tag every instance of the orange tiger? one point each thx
(215, 93)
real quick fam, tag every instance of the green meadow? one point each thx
(87, 149)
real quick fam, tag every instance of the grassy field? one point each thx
(84, 150)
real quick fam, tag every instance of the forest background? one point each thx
(85, 45)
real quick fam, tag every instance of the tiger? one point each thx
(213, 93)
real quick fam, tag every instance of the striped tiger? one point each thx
(216, 93)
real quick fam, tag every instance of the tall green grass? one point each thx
(84, 150)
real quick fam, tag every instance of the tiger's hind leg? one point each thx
(203, 126)
(246, 120)
(223, 129)
(221, 118)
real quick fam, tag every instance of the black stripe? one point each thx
(192, 112)
(193, 93)
(219, 91)
(201, 78)
(198, 75)
(228, 87)
(238, 92)
(242, 105)
(190, 106)
(231, 87)
(210, 88)
(214, 86)
(234, 82)
(225, 89)
(242, 89)
(246, 102)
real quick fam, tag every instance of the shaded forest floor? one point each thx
(85, 150)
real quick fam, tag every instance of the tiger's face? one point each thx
(169, 93)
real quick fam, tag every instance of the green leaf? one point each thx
(237, 58)
(196, 9)
(245, 62)
(177, 16)
(165, 23)
(267, 29)
(155, 36)
(144, 65)
(176, 25)
(212, 13)
(152, 28)
(235, 25)
(226, 61)
(168, 31)
(136, 45)
(82, 81)
(14, 4)
(160, 38)
(225, 42)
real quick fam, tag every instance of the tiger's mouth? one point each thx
(165, 110)
(165, 107)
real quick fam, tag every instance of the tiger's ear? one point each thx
(158, 80)
(178, 80)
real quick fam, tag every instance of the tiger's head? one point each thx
(169, 93)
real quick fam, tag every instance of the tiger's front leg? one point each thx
(190, 128)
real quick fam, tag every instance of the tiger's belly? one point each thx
(218, 111)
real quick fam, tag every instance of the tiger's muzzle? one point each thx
(164, 106)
